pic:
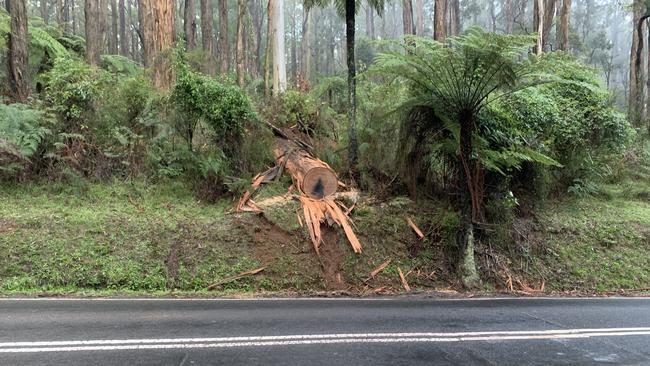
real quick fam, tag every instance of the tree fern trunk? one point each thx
(17, 50)
(352, 86)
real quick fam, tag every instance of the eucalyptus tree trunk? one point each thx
(206, 36)
(439, 20)
(510, 17)
(549, 13)
(239, 49)
(454, 17)
(563, 26)
(407, 17)
(158, 39)
(294, 49)
(93, 31)
(538, 25)
(305, 46)
(279, 59)
(112, 43)
(370, 22)
(352, 86)
(45, 11)
(636, 92)
(189, 25)
(269, 47)
(419, 17)
(224, 47)
(124, 40)
(17, 55)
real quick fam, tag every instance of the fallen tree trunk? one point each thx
(311, 176)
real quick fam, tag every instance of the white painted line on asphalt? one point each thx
(226, 342)
(313, 342)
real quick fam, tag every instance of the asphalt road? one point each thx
(398, 331)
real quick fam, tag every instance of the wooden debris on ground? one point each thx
(380, 268)
(236, 277)
(417, 230)
(316, 183)
(403, 278)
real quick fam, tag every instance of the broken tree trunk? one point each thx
(311, 176)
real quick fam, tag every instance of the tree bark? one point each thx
(563, 34)
(439, 20)
(239, 50)
(636, 92)
(224, 47)
(538, 25)
(112, 44)
(124, 41)
(269, 46)
(454, 19)
(407, 17)
(510, 17)
(189, 25)
(352, 86)
(549, 13)
(419, 17)
(17, 55)
(206, 36)
(158, 36)
(305, 47)
(279, 59)
(93, 31)
(45, 11)
(294, 50)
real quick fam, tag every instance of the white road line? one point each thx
(135, 344)
(314, 342)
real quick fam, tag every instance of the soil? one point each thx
(331, 258)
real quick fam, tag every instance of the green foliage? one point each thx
(120, 65)
(22, 131)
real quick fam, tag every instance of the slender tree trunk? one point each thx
(305, 47)
(419, 17)
(493, 16)
(189, 25)
(294, 50)
(647, 111)
(352, 86)
(549, 13)
(59, 13)
(563, 33)
(467, 265)
(439, 20)
(407, 17)
(510, 17)
(66, 17)
(454, 20)
(206, 36)
(269, 47)
(93, 31)
(538, 25)
(635, 92)
(224, 47)
(279, 59)
(239, 50)
(45, 11)
(17, 56)
(638, 66)
(134, 26)
(124, 41)
(258, 23)
(112, 44)
(73, 18)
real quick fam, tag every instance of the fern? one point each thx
(22, 130)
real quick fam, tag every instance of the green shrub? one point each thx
(22, 132)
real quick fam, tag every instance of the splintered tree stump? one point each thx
(311, 176)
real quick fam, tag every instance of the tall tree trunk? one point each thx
(258, 22)
(294, 49)
(419, 17)
(493, 16)
(563, 26)
(407, 17)
(224, 46)
(66, 17)
(510, 17)
(269, 47)
(134, 26)
(279, 59)
(112, 44)
(239, 50)
(124, 41)
(17, 56)
(549, 13)
(206, 36)
(638, 109)
(158, 36)
(352, 86)
(93, 31)
(635, 69)
(439, 20)
(189, 25)
(60, 4)
(538, 25)
(467, 265)
(454, 20)
(305, 46)
(45, 11)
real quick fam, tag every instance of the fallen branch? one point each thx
(403, 278)
(417, 230)
(380, 268)
(235, 277)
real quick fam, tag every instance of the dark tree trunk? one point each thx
(17, 56)
(224, 46)
(206, 36)
(352, 86)
(549, 13)
(93, 31)
(124, 43)
(189, 25)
